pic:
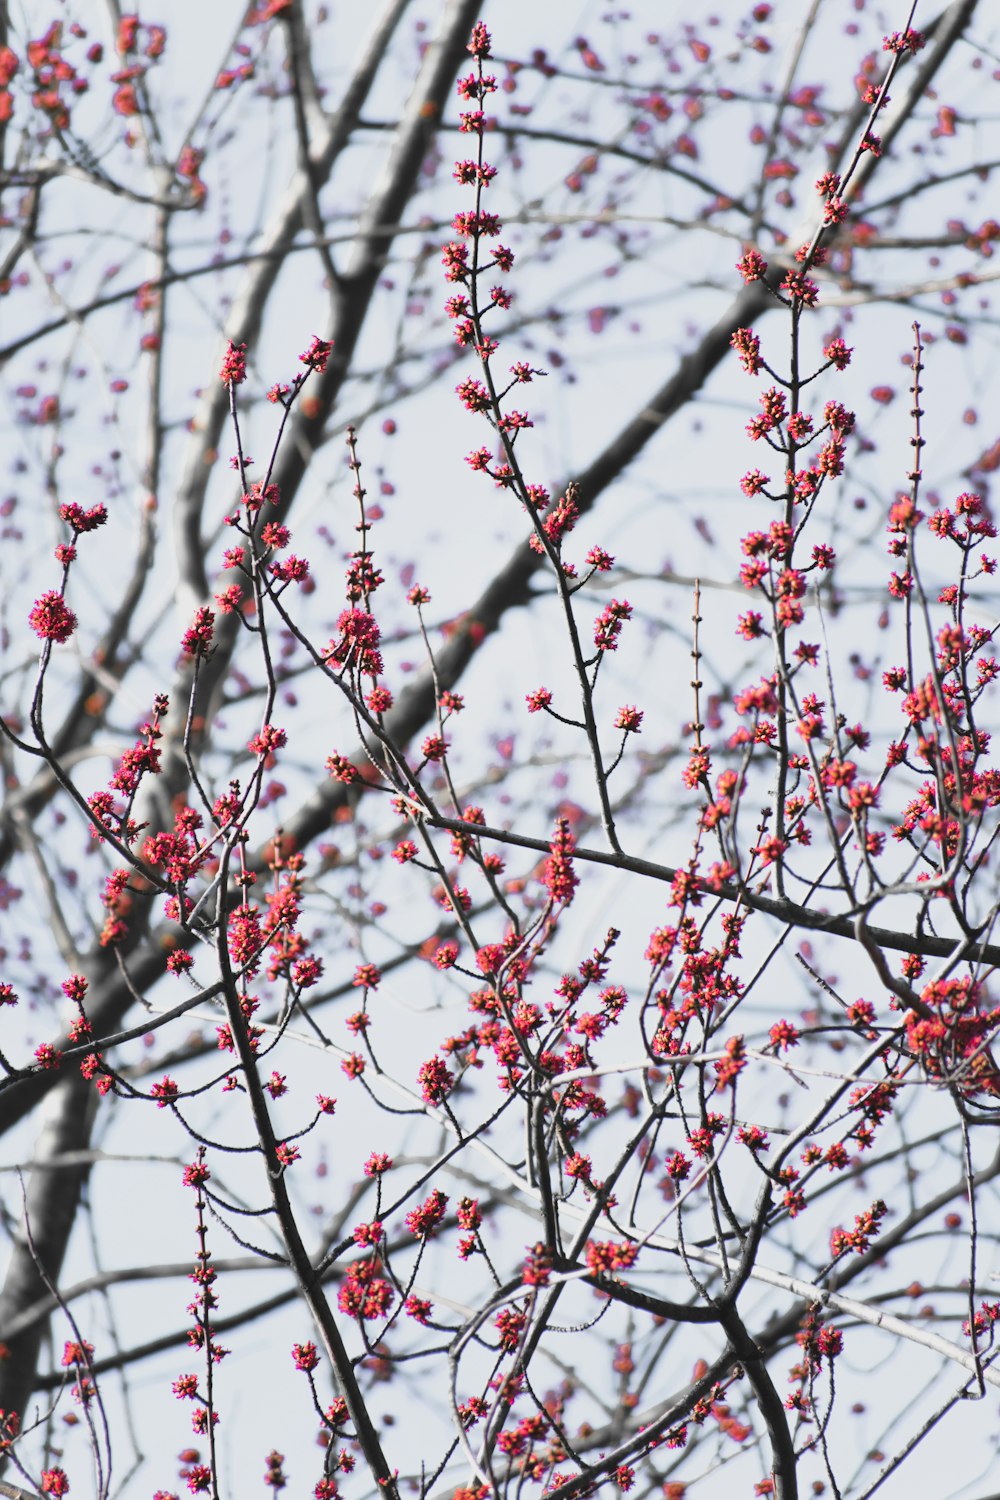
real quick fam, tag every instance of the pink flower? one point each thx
(800, 289)
(608, 625)
(234, 365)
(838, 353)
(558, 875)
(629, 718)
(316, 356)
(435, 1080)
(747, 346)
(198, 639)
(164, 1092)
(51, 618)
(752, 266)
(753, 482)
(479, 45)
(422, 1221)
(269, 739)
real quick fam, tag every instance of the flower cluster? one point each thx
(356, 647)
(234, 365)
(51, 618)
(364, 1294)
(558, 875)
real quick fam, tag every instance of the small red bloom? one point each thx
(446, 955)
(422, 1221)
(435, 1080)
(198, 639)
(164, 1092)
(419, 1309)
(784, 1035)
(629, 718)
(603, 1257)
(52, 620)
(234, 365)
(747, 346)
(752, 266)
(316, 356)
(558, 875)
(479, 44)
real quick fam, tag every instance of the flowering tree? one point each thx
(528, 1111)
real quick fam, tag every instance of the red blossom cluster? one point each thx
(364, 1294)
(558, 876)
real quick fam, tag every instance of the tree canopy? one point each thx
(498, 871)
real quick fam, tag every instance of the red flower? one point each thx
(267, 740)
(125, 100)
(479, 44)
(558, 875)
(435, 1080)
(52, 620)
(364, 1294)
(630, 719)
(608, 625)
(197, 640)
(196, 1174)
(422, 1221)
(747, 346)
(316, 356)
(245, 940)
(609, 1255)
(234, 365)
(164, 1092)
(510, 1325)
(784, 1035)
(752, 266)
(369, 1234)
